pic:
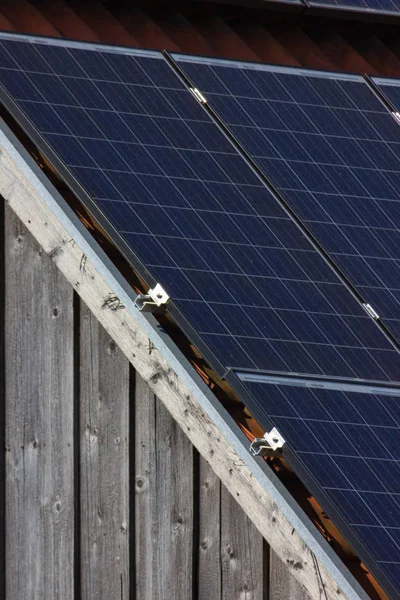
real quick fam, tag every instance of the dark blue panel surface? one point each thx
(179, 195)
(332, 149)
(374, 6)
(350, 444)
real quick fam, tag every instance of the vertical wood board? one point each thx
(39, 421)
(282, 583)
(164, 502)
(242, 553)
(104, 459)
(209, 539)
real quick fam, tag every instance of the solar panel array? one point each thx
(332, 149)
(195, 214)
(246, 282)
(375, 6)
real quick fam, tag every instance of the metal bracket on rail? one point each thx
(267, 445)
(153, 301)
(198, 95)
(372, 313)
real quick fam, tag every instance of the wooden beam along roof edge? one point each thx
(191, 403)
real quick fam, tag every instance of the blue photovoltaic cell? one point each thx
(375, 6)
(332, 149)
(350, 442)
(196, 216)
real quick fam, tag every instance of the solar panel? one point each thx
(332, 150)
(245, 282)
(349, 439)
(389, 7)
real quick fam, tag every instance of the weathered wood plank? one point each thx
(104, 434)
(242, 553)
(282, 584)
(164, 502)
(216, 438)
(2, 409)
(145, 466)
(209, 575)
(39, 422)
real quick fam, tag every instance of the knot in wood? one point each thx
(139, 483)
(112, 347)
(155, 377)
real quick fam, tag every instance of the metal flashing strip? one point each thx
(23, 168)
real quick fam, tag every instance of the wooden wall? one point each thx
(101, 494)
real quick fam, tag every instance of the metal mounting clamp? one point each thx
(268, 444)
(372, 313)
(396, 115)
(153, 301)
(198, 95)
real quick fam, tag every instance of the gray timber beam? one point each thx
(193, 406)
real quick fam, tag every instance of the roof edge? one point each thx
(191, 403)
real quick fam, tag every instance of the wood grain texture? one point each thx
(39, 422)
(209, 538)
(242, 553)
(164, 502)
(104, 435)
(282, 584)
(218, 441)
